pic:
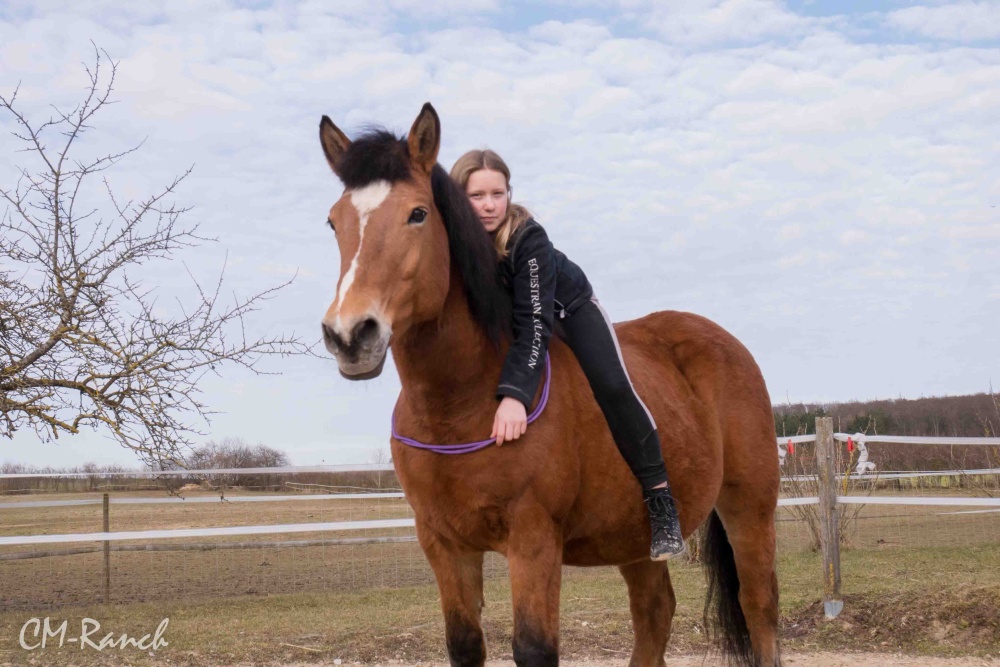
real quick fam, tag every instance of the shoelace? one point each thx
(662, 514)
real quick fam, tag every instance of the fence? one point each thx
(835, 511)
(289, 538)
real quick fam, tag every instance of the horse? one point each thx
(418, 275)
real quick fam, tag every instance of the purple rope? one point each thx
(469, 447)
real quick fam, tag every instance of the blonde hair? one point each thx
(517, 215)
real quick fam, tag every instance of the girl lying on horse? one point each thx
(548, 289)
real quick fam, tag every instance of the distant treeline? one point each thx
(97, 480)
(229, 453)
(975, 415)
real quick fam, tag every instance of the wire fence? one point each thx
(334, 534)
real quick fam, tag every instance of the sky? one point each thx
(820, 178)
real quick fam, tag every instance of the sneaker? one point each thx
(667, 540)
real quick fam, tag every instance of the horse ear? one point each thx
(335, 143)
(424, 139)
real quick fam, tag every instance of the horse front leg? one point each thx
(534, 556)
(459, 575)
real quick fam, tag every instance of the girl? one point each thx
(545, 284)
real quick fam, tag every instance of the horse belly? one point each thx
(609, 527)
(606, 549)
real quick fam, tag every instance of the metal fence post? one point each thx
(826, 464)
(107, 552)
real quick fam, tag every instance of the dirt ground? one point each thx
(788, 660)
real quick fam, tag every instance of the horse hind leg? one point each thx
(652, 603)
(739, 550)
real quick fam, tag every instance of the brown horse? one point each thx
(418, 275)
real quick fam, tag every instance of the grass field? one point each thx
(915, 579)
(889, 607)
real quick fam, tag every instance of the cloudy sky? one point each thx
(826, 185)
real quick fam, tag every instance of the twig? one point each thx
(304, 648)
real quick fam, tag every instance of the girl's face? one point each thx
(487, 190)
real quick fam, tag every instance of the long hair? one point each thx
(517, 215)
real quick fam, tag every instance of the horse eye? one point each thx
(329, 223)
(417, 216)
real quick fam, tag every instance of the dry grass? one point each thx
(890, 607)
(915, 581)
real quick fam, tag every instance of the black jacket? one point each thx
(545, 284)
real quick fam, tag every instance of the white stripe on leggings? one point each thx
(621, 359)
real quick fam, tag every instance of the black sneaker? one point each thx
(667, 540)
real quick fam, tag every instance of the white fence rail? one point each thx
(154, 537)
(224, 531)
(202, 499)
(880, 475)
(227, 531)
(915, 440)
(858, 438)
(277, 470)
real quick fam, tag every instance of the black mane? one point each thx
(379, 155)
(475, 256)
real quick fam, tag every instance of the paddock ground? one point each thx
(918, 583)
(889, 610)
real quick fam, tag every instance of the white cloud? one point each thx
(962, 22)
(703, 22)
(810, 259)
(578, 36)
(733, 159)
(985, 231)
(853, 236)
(789, 232)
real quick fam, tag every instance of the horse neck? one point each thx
(448, 367)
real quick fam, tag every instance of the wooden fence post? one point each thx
(107, 552)
(826, 464)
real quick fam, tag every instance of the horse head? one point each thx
(394, 258)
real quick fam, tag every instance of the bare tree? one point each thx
(238, 453)
(83, 342)
(986, 485)
(235, 453)
(379, 456)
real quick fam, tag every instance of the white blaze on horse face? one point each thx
(365, 200)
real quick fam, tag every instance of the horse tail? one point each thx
(723, 616)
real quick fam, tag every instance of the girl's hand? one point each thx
(511, 420)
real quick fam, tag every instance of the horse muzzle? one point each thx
(360, 348)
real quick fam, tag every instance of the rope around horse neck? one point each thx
(468, 447)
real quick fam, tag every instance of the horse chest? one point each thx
(459, 510)
(482, 524)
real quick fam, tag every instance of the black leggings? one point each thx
(591, 335)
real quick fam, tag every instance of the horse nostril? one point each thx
(330, 336)
(365, 331)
